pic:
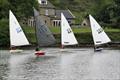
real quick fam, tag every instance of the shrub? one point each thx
(4, 32)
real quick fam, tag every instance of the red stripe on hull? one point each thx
(39, 53)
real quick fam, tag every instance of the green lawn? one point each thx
(112, 30)
(56, 30)
(29, 29)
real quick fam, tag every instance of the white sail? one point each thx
(17, 36)
(99, 36)
(67, 36)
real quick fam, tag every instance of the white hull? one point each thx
(16, 51)
(98, 49)
(62, 50)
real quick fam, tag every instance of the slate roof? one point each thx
(66, 13)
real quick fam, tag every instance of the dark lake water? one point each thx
(57, 64)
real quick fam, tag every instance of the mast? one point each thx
(35, 27)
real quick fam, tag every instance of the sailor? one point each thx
(37, 49)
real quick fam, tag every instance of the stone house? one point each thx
(85, 23)
(51, 15)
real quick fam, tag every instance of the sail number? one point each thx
(69, 30)
(100, 30)
(18, 30)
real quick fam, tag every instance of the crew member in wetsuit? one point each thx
(37, 49)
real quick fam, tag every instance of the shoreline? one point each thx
(83, 45)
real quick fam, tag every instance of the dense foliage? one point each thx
(4, 32)
(4, 8)
(110, 14)
(22, 9)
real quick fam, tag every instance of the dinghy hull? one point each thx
(39, 53)
(98, 49)
(16, 51)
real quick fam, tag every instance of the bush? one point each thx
(4, 32)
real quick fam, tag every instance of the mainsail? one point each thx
(99, 36)
(44, 36)
(17, 36)
(67, 35)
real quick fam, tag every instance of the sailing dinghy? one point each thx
(17, 36)
(44, 36)
(67, 35)
(99, 36)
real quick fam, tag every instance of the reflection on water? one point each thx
(4, 57)
(67, 64)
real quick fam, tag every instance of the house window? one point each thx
(45, 21)
(69, 22)
(46, 12)
(84, 24)
(59, 23)
(44, 2)
(56, 23)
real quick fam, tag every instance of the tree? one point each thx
(23, 8)
(4, 8)
(4, 32)
(110, 14)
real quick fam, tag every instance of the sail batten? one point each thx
(99, 36)
(43, 34)
(17, 36)
(67, 35)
